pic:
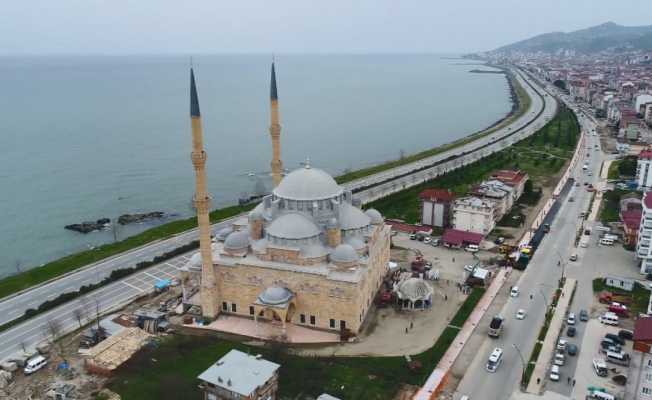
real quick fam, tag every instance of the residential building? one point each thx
(643, 247)
(473, 214)
(643, 171)
(498, 192)
(631, 224)
(642, 372)
(515, 179)
(436, 207)
(238, 375)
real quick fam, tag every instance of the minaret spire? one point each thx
(202, 200)
(275, 130)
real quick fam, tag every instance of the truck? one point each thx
(607, 297)
(496, 326)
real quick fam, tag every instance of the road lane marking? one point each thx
(132, 286)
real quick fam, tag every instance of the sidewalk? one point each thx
(437, 378)
(538, 378)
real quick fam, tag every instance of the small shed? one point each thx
(620, 283)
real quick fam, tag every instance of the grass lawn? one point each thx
(610, 206)
(169, 369)
(614, 172)
(542, 156)
(70, 263)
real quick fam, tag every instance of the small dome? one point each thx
(344, 253)
(332, 223)
(275, 295)
(414, 289)
(293, 226)
(223, 233)
(195, 261)
(238, 240)
(255, 215)
(375, 216)
(355, 242)
(308, 184)
(352, 217)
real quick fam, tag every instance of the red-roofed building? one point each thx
(644, 243)
(436, 206)
(515, 179)
(643, 335)
(644, 169)
(457, 238)
(631, 223)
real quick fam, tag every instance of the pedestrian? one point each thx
(510, 288)
(446, 297)
(531, 296)
(411, 325)
(453, 259)
(538, 381)
(406, 330)
(568, 380)
(573, 382)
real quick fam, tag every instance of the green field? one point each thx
(169, 369)
(542, 156)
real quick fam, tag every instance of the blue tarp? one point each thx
(162, 284)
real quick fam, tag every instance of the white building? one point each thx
(501, 194)
(473, 214)
(643, 247)
(643, 172)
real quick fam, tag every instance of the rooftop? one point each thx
(643, 329)
(457, 238)
(239, 372)
(646, 154)
(437, 195)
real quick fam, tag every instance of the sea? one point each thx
(87, 137)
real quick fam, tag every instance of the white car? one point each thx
(571, 319)
(520, 314)
(554, 373)
(561, 345)
(514, 292)
(427, 240)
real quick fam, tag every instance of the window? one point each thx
(313, 320)
(332, 323)
(646, 391)
(342, 324)
(233, 307)
(225, 307)
(302, 318)
(649, 363)
(251, 310)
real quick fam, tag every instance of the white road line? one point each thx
(133, 286)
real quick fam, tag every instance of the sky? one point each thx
(295, 26)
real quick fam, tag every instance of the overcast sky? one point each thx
(295, 26)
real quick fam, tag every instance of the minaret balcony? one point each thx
(198, 158)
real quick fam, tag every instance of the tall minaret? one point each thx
(209, 295)
(275, 132)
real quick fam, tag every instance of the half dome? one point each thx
(344, 253)
(308, 184)
(352, 217)
(375, 216)
(238, 240)
(275, 295)
(293, 226)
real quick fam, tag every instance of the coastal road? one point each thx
(543, 107)
(539, 281)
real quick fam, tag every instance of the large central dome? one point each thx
(308, 184)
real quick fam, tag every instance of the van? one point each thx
(610, 236)
(609, 318)
(34, 364)
(600, 367)
(606, 242)
(599, 395)
(619, 358)
(495, 358)
(603, 228)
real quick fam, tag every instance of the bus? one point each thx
(495, 359)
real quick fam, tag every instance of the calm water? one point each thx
(89, 137)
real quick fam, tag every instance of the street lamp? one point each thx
(523, 363)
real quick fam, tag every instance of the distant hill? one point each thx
(597, 38)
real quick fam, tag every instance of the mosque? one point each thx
(306, 255)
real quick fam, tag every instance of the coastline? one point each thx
(72, 262)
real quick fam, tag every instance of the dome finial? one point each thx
(307, 163)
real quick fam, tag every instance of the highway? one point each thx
(539, 280)
(122, 292)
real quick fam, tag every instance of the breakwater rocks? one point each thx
(133, 218)
(90, 226)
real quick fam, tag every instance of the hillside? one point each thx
(607, 36)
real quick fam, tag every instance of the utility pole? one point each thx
(523, 363)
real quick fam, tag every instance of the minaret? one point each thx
(275, 131)
(202, 200)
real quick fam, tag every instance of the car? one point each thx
(571, 319)
(514, 292)
(427, 239)
(615, 338)
(625, 334)
(413, 236)
(520, 314)
(584, 315)
(561, 345)
(559, 359)
(434, 242)
(571, 199)
(571, 349)
(573, 257)
(554, 373)
(500, 240)
(571, 331)
(577, 183)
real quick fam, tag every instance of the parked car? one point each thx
(514, 292)
(561, 345)
(571, 331)
(413, 236)
(571, 319)
(560, 359)
(573, 257)
(625, 334)
(615, 338)
(554, 373)
(34, 364)
(520, 314)
(584, 315)
(427, 239)
(571, 349)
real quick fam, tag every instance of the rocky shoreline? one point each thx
(104, 223)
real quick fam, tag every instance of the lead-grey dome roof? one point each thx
(293, 226)
(375, 216)
(344, 253)
(352, 217)
(275, 295)
(308, 184)
(238, 240)
(223, 233)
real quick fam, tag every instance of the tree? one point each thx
(528, 187)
